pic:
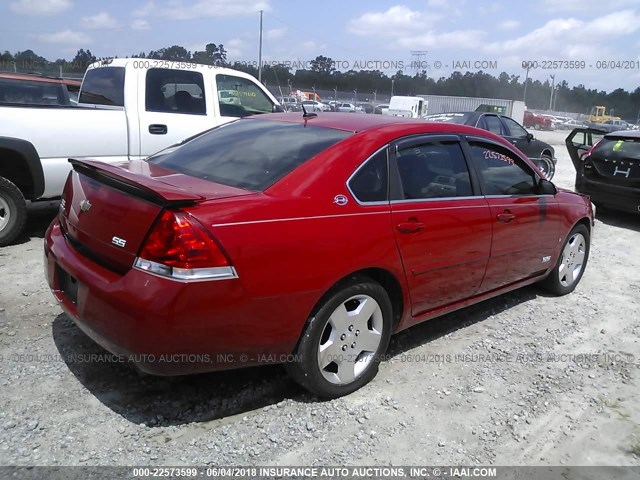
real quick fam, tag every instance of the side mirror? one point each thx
(545, 187)
(529, 136)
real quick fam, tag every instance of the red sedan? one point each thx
(304, 240)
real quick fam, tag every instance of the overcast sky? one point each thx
(501, 31)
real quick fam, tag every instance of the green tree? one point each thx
(323, 65)
(212, 55)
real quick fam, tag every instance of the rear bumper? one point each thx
(166, 327)
(619, 198)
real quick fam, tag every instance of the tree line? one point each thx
(323, 75)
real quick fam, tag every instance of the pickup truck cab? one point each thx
(127, 109)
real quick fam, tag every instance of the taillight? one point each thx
(179, 247)
(584, 156)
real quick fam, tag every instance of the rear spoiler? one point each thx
(146, 188)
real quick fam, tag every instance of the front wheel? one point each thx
(341, 346)
(566, 274)
(13, 212)
(546, 165)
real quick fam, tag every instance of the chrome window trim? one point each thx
(436, 199)
(362, 165)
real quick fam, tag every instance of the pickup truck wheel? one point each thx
(13, 212)
(536, 127)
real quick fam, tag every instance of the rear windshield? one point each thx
(249, 154)
(32, 93)
(618, 148)
(103, 86)
(460, 118)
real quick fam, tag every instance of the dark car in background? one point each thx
(607, 167)
(541, 153)
(32, 89)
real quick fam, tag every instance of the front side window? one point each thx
(240, 97)
(515, 129)
(501, 172)
(494, 124)
(434, 170)
(174, 91)
(103, 86)
(369, 184)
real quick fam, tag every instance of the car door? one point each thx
(579, 141)
(442, 225)
(525, 223)
(172, 109)
(519, 137)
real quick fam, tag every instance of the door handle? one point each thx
(410, 227)
(157, 129)
(506, 216)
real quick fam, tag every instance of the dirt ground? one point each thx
(524, 379)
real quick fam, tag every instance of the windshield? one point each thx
(249, 154)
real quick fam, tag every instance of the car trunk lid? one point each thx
(108, 209)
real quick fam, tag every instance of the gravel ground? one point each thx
(524, 379)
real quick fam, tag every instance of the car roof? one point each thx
(624, 134)
(31, 77)
(359, 123)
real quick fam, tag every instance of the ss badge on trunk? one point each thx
(118, 242)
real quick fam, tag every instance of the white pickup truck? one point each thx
(410, 107)
(127, 109)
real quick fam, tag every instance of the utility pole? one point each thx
(553, 85)
(527, 66)
(392, 82)
(260, 52)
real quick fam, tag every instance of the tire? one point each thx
(545, 163)
(342, 344)
(536, 127)
(13, 212)
(568, 271)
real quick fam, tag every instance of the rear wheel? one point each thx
(536, 126)
(13, 211)
(341, 347)
(569, 268)
(545, 163)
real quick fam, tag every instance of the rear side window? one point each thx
(240, 97)
(370, 184)
(103, 86)
(249, 154)
(174, 91)
(501, 172)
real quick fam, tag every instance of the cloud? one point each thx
(66, 38)
(234, 47)
(509, 24)
(567, 38)
(100, 20)
(454, 39)
(275, 33)
(140, 24)
(40, 7)
(145, 10)
(396, 21)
